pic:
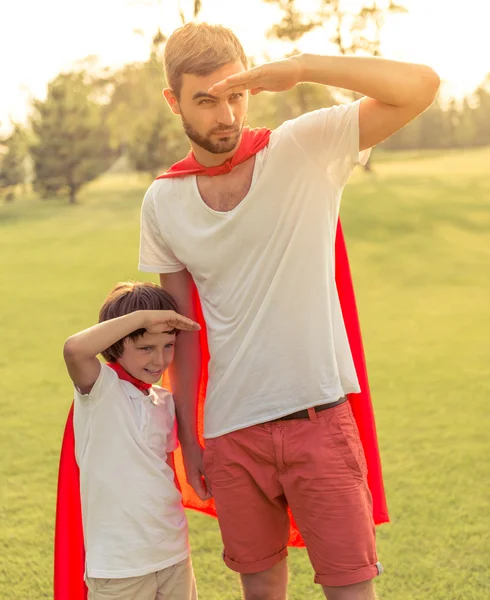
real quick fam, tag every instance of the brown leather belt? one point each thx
(303, 414)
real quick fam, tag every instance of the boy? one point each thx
(135, 529)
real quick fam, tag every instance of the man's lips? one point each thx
(229, 132)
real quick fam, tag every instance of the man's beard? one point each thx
(222, 145)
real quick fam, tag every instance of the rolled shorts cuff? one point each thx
(351, 577)
(256, 566)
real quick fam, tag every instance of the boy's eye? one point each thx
(170, 345)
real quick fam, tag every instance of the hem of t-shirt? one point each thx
(283, 413)
(100, 573)
(160, 269)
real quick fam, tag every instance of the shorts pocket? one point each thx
(345, 436)
(208, 456)
(96, 584)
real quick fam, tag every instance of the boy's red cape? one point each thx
(69, 556)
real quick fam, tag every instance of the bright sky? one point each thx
(38, 39)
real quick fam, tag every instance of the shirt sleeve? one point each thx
(155, 254)
(329, 137)
(106, 379)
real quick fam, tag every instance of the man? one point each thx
(253, 225)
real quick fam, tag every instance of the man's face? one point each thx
(211, 122)
(149, 356)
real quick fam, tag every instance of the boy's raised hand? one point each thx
(160, 321)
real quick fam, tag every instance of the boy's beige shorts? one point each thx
(176, 583)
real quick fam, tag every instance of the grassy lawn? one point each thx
(418, 232)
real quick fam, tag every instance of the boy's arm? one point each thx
(80, 350)
(185, 372)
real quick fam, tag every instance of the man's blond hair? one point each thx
(199, 49)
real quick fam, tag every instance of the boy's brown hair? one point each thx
(128, 297)
(199, 49)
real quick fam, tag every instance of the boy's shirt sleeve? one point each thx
(106, 379)
(329, 137)
(155, 254)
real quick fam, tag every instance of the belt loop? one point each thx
(312, 414)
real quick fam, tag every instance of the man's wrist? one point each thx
(300, 62)
(303, 64)
(188, 440)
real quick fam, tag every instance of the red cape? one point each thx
(69, 557)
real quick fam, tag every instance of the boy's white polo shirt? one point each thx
(133, 519)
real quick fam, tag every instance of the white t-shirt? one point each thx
(265, 272)
(133, 519)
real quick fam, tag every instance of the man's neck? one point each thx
(209, 159)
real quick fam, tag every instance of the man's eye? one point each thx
(205, 101)
(236, 96)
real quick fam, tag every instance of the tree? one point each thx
(482, 113)
(141, 125)
(13, 167)
(350, 31)
(72, 140)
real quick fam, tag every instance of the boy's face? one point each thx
(213, 123)
(148, 356)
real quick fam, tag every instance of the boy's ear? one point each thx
(171, 100)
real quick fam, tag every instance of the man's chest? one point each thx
(225, 192)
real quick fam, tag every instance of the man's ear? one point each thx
(171, 100)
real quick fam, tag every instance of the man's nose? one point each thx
(225, 114)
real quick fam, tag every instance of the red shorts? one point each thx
(315, 466)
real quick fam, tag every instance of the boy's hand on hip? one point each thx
(194, 470)
(276, 76)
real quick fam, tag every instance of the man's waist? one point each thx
(303, 414)
(226, 421)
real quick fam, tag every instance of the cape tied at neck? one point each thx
(125, 376)
(252, 141)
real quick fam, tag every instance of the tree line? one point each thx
(92, 119)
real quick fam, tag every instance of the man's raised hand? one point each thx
(276, 76)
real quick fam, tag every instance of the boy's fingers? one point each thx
(185, 323)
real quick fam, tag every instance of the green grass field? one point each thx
(418, 232)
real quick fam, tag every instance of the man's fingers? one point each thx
(199, 486)
(238, 82)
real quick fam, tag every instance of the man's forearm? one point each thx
(391, 82)
(185, 374)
